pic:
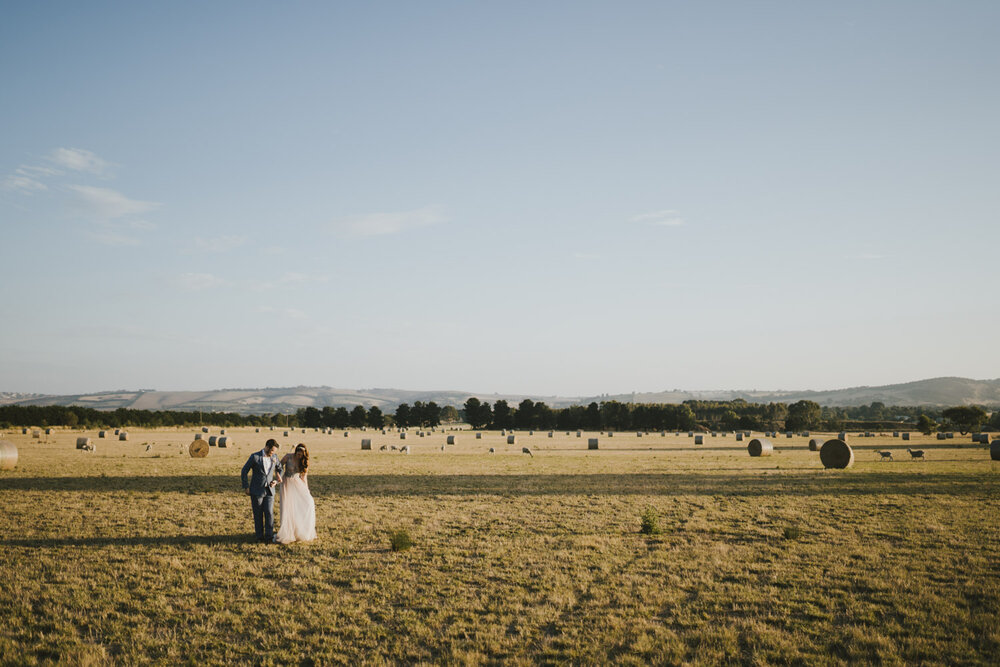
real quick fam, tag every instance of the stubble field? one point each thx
(130, 556)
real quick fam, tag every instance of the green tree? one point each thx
(803, 415)
(966, 418)
(403, 415)
(359, 417)
(375, 417)
(502, 417)
(925, 424)
(449, 414)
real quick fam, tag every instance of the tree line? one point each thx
(606, 415)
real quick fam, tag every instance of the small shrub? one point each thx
(400, 540)
(791, 532)
(650, 523)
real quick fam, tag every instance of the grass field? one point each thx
(131, 556)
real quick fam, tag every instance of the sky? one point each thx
(542, 198)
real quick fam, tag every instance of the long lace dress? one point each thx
(298, 511)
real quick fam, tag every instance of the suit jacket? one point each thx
(260, 483)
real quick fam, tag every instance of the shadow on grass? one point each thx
(914, 479)
(150, 541)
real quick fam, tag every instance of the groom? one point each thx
(265, 474)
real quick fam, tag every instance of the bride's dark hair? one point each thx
(302, 457)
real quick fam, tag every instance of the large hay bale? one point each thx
(347, 434)
(117, 431)
(366, 443)
(835, 453)
(222, 431)
(8, 455)
(198, 449)
(213, 440)
(123, 436)
(101, 434)
(906, 436)
(699, 439)
(579, 433)
(479, 436)
(941, 436)
(895, 434)
(256, 430)
(24, 431)
(50, 431)
(739, 437)
(511, 439)
(450, 440)
(225, 441)
(592, 443)
(995, 450)
(36, 434)
(550, 434)
(815, 444)
(760, 447)
(204, 429)
(284, 434)
(402, 435)
(949, 435)
(83, 443)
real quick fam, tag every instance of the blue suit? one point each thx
(261, 493)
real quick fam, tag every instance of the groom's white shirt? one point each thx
(267, 463)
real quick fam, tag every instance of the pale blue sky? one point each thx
(540, 197)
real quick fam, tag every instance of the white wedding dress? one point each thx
(298, 511)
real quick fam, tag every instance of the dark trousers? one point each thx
(263, 517)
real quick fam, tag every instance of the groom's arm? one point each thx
(279, 470)
(243, 474)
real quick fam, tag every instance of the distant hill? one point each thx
(937, 392)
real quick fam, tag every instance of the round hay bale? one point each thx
(611, 434)
(117, 431)
(592, 443)
(50, 431)
(815, 444)
(402, 435)
(36, 434)
(8, 455)
(511, 439)
(699, 439)
(842, 436)
(479, 436)
(347, 434)
(995, 450)
(366, 444)
(213, 440)
(284, 434)
(198, 449)
(760, 447)
(739, 437)
(550, 434)
(123, 436)
(204, 429)
(256, 430)
(941, 436)
(949, 435)
(24, 431)
(638, 434)
(906, 436)
(579, 433)
(895, 434)
(225, 441)
(222, 431)
(835, 453)
(102, 434)
(83, 443)
(450, 440)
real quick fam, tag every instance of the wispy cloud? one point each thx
(108, 204)
(20, 183)
(199, 281)
(664, 218)
(78, 159)
(113, 237)
(381, 224)
(217, 244)
(286, 279)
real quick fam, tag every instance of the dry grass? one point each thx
(127, 556)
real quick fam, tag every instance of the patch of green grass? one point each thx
(400, 540)
(650, 523)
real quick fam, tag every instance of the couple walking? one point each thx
(288, 476)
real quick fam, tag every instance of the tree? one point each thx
(403, 415)
(359, 417)
(502, 418)
(524, 418)
(449, 414)
(926, 425)
(341, 418)
(966, 418)
(803, 415)
(478, 414)
(375, 417)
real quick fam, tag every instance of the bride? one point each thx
(298, 511)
